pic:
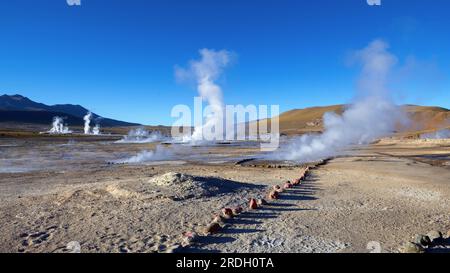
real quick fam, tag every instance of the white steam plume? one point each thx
(160, 153)
(140, 135)
(96, 130)
(87, 123)
(206, 71)
(371, 116)
(58, 127)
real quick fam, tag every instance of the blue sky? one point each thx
(117, 57)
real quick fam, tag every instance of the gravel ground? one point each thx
(380, 193)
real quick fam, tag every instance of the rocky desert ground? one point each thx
(69, 194)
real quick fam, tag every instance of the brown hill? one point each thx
(427, 117)
(423, 118)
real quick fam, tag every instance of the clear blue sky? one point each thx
(117, 57)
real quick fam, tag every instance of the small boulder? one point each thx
(287, 185)
(253, 204)
(237, 210)
(212, 228)
(448, 234)
(227, 213)
(410, 247)
(273, 195)
(422, 240)
(435, 236)
(277, 188)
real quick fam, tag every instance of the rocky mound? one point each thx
(172, 179)
(177, 187)
(183, 186)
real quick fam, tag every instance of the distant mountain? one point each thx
(17, 108)
(18, 102)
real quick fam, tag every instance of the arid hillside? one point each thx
(422, 119)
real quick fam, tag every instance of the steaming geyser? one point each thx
(58, 127)
(206, 71)
(96, 129)
(87, 123)
(372, 115)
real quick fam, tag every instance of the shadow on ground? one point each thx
(249, 221)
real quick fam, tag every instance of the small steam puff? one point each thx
(58, 127)
(96, 130)
(160, 153)
(206, 71)
(373, 114)
(140, 135)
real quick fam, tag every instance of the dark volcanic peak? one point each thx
(17, 108)
(15, 97)
(18, 102)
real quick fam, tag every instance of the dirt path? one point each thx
(343, 206)
(273, 228)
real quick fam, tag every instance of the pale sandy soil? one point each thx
(384, 193)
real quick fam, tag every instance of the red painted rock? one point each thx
(212, 228)
(287, 185)
(190, 234)
(274, 195)
(277, 188)
(253, 204)
(237, 210)
(227, 213)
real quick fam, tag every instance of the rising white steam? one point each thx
(140, 135)
(87, 123)
(441, 134)
(160, 153)
(206, 71)
(96, 130)
(58, 127)
(371, 116)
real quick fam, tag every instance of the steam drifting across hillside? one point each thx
(140, 135)
(372, 115)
